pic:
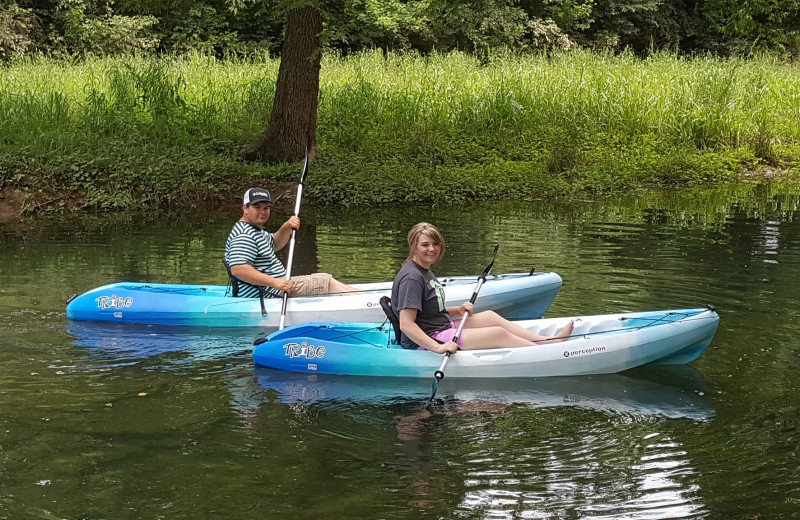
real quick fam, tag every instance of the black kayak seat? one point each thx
(234, 284)
(386, 305)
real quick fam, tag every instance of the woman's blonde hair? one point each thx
(423, 228)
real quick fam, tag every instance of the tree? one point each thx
(639, 25)
(293, 122)
(762, 24)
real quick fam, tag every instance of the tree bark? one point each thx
(293, 122)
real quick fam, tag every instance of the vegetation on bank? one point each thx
(105, 133)
(243, 27)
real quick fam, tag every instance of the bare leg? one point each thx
(335, 286)
(491, 337)
(492, 319)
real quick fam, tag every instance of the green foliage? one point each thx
(397, 128)
(251, 27)
(19, 31)
(106, 33)
(568, 15)
(388, 24)
(211, 27)
(440, 25)
(757, 25)
(638, 25)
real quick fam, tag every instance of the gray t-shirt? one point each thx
(418, 288)
(249, 245)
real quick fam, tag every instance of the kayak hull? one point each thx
(511, 295)
(599, 345)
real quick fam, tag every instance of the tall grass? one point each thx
(396, 127)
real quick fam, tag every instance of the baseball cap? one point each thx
(254, 195)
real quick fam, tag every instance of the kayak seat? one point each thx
(234, 285)
(386, 305)
(233, 282)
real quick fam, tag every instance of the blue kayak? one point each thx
(513, 295)
(598, 345)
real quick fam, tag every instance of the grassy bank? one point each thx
(115, 133)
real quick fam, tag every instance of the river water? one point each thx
(143, 422)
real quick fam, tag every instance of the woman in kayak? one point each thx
(425, 322)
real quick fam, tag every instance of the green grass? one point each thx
(398, 128)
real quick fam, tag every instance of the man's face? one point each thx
(257, 214)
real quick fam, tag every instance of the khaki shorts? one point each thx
(311, 284)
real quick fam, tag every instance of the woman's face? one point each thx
(427, 251)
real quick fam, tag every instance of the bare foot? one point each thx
(565, 332)
(560, 335)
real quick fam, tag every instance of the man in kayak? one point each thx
(250, 254)
(425, 323)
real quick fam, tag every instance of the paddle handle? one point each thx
(290, 258)
(439, 374)
(298, 197)
(282, 323)
(289, 264)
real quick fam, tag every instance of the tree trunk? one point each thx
(293, 122)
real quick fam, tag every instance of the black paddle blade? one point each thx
(304, 171)
(429, 402)
(491, 264)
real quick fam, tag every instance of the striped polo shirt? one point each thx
(248, 244)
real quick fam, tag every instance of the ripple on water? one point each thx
(599, 469)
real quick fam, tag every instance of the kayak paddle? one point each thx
(291, 241)
(439, 374)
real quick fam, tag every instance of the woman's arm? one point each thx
(460, 310)
(410, 328)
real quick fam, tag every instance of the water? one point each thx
(106, 421)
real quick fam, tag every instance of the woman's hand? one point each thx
(445, 348)
(467, 308)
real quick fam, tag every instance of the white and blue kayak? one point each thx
(513, 295)
(598, 345)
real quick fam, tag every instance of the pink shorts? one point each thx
(443, 336)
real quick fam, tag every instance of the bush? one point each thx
(19, 32)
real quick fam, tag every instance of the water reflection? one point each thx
(599, 456)
(667, 391)
(118, 344)
(599, 446)
(633, 474)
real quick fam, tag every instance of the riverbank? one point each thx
(120, 133)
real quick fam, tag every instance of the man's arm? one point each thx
(281, 236)
(251, 275)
